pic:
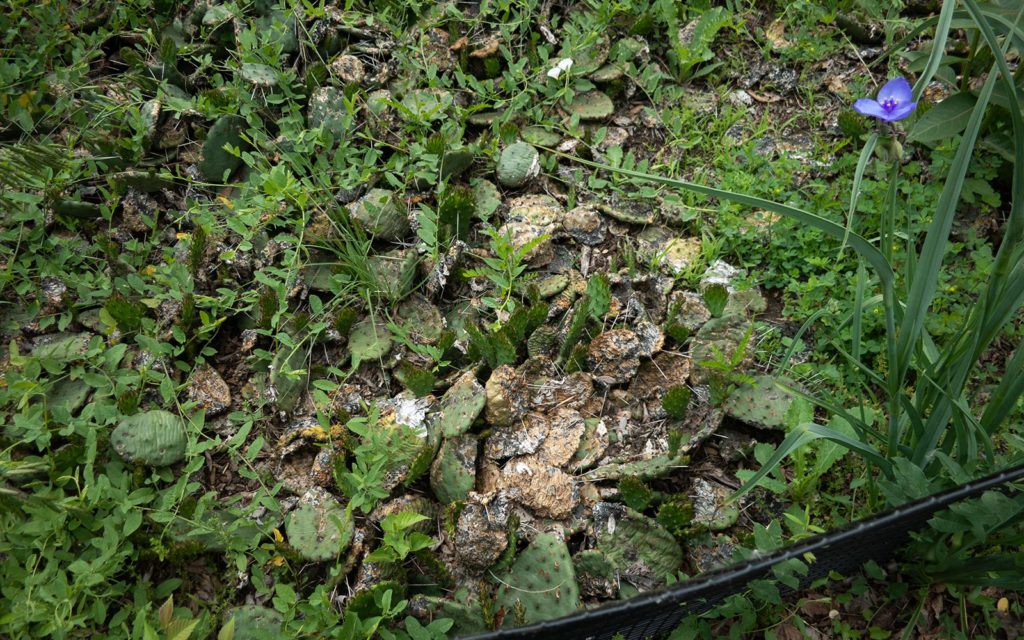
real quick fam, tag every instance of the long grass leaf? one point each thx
(922, 290)
(938, 47)
(858, 176)
(801, 435)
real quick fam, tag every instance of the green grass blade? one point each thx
(803, 434)
(938, 47)
(922, 290)
(858, 176)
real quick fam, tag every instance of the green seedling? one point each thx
(398, 542)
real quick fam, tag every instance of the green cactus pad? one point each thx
(726, 334)
(67, 395)
(379, 215)
(216, 160)
(641, 548)
(592, 105)
(595, 573)
(289, 386)
(313, 532)
(453, 474)
(635, 493)
(542, 581)
(156, 438)
(461, 405)
(487, 198)
(518, 163)
(466, 616)
(260, 75)
(540, 136)
(369, 340)
(716, 296)
(327, 108)
(394, 273)
(421, 319)
(253, 622)
(764, 405)
(675, 515)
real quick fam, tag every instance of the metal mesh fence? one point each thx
(841, 550)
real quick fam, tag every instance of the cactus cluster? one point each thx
(542, 582)
(156, 438)
(327, 108)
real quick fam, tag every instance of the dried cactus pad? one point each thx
(156, 438)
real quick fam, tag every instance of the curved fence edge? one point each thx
(842, 550)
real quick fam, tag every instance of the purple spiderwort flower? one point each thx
(895, 101)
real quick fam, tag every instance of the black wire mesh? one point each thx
(842, 550)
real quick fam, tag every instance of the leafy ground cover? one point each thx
(321, 320)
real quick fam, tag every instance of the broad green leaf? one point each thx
(945, 119)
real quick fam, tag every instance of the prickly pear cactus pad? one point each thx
(253, 622)
(542, 582)
(312, 530)
(592, 105)
(156, 438)
(725, 334)
(216, 160)
(327, 108)
(453, 473)
(763, 403)
(288, 375)
(379, 215)
(644, 552)
(370, 339)
(461, 405)
(517, 164)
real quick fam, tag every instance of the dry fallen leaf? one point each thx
(488, 47)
